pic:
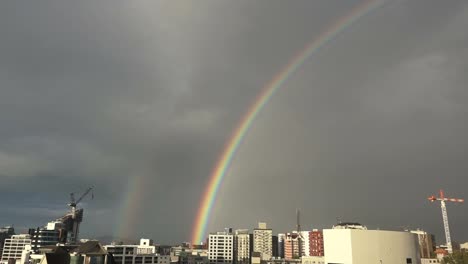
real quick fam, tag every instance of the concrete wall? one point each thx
(349, 246)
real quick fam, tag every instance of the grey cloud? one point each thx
(100, 93)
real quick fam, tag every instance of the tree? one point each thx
(457, 257)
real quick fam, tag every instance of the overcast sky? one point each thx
(103, 93)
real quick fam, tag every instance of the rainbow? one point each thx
(230, 149)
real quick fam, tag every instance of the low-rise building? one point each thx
(464, 245)
(193, 257)
(145, 252)
(313, 260)
(430, 261)
(361, 246)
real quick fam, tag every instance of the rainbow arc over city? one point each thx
(232, 145)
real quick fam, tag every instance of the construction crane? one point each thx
(76, 215)
(442, 200)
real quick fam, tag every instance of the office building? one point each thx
(242, 246)
(14, 246)
(262, 241)
(360, 246)
(221, 247)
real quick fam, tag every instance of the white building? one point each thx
(221, 247)
(133, 254)
(14, 246)
(305, 243)
(360, 246)
(430, 261)
(242, 246)
(263, 241)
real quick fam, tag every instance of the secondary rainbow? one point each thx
(262, 99)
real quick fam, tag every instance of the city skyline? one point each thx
(139, 100)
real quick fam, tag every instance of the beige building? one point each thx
(263, 241)
(355, 246)
(242, 246)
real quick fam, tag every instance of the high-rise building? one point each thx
(305, 243)
(291, 246)
(221, 247)
(275, 246)
(14, 246)
(242, 246)
(426, 243)
(262, 241)
(316, 243)
(281, 240)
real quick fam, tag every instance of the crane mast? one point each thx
(298, 227)
(443, 207)
(446, 226)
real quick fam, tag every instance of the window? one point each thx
(409, 261)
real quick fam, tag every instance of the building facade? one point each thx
(242, 246)
(312, 260)
(426, 243)
(316, 243)
(305, 243)
(291, 246)
(137, 254)
(355, 246)
(48, 235)
(281, 240)
(263, 241)
(275, 249)
(5, 232)
(14, 246)
(221, 247)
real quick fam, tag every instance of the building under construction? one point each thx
(64, 230)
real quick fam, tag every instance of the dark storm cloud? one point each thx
(99, 93)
